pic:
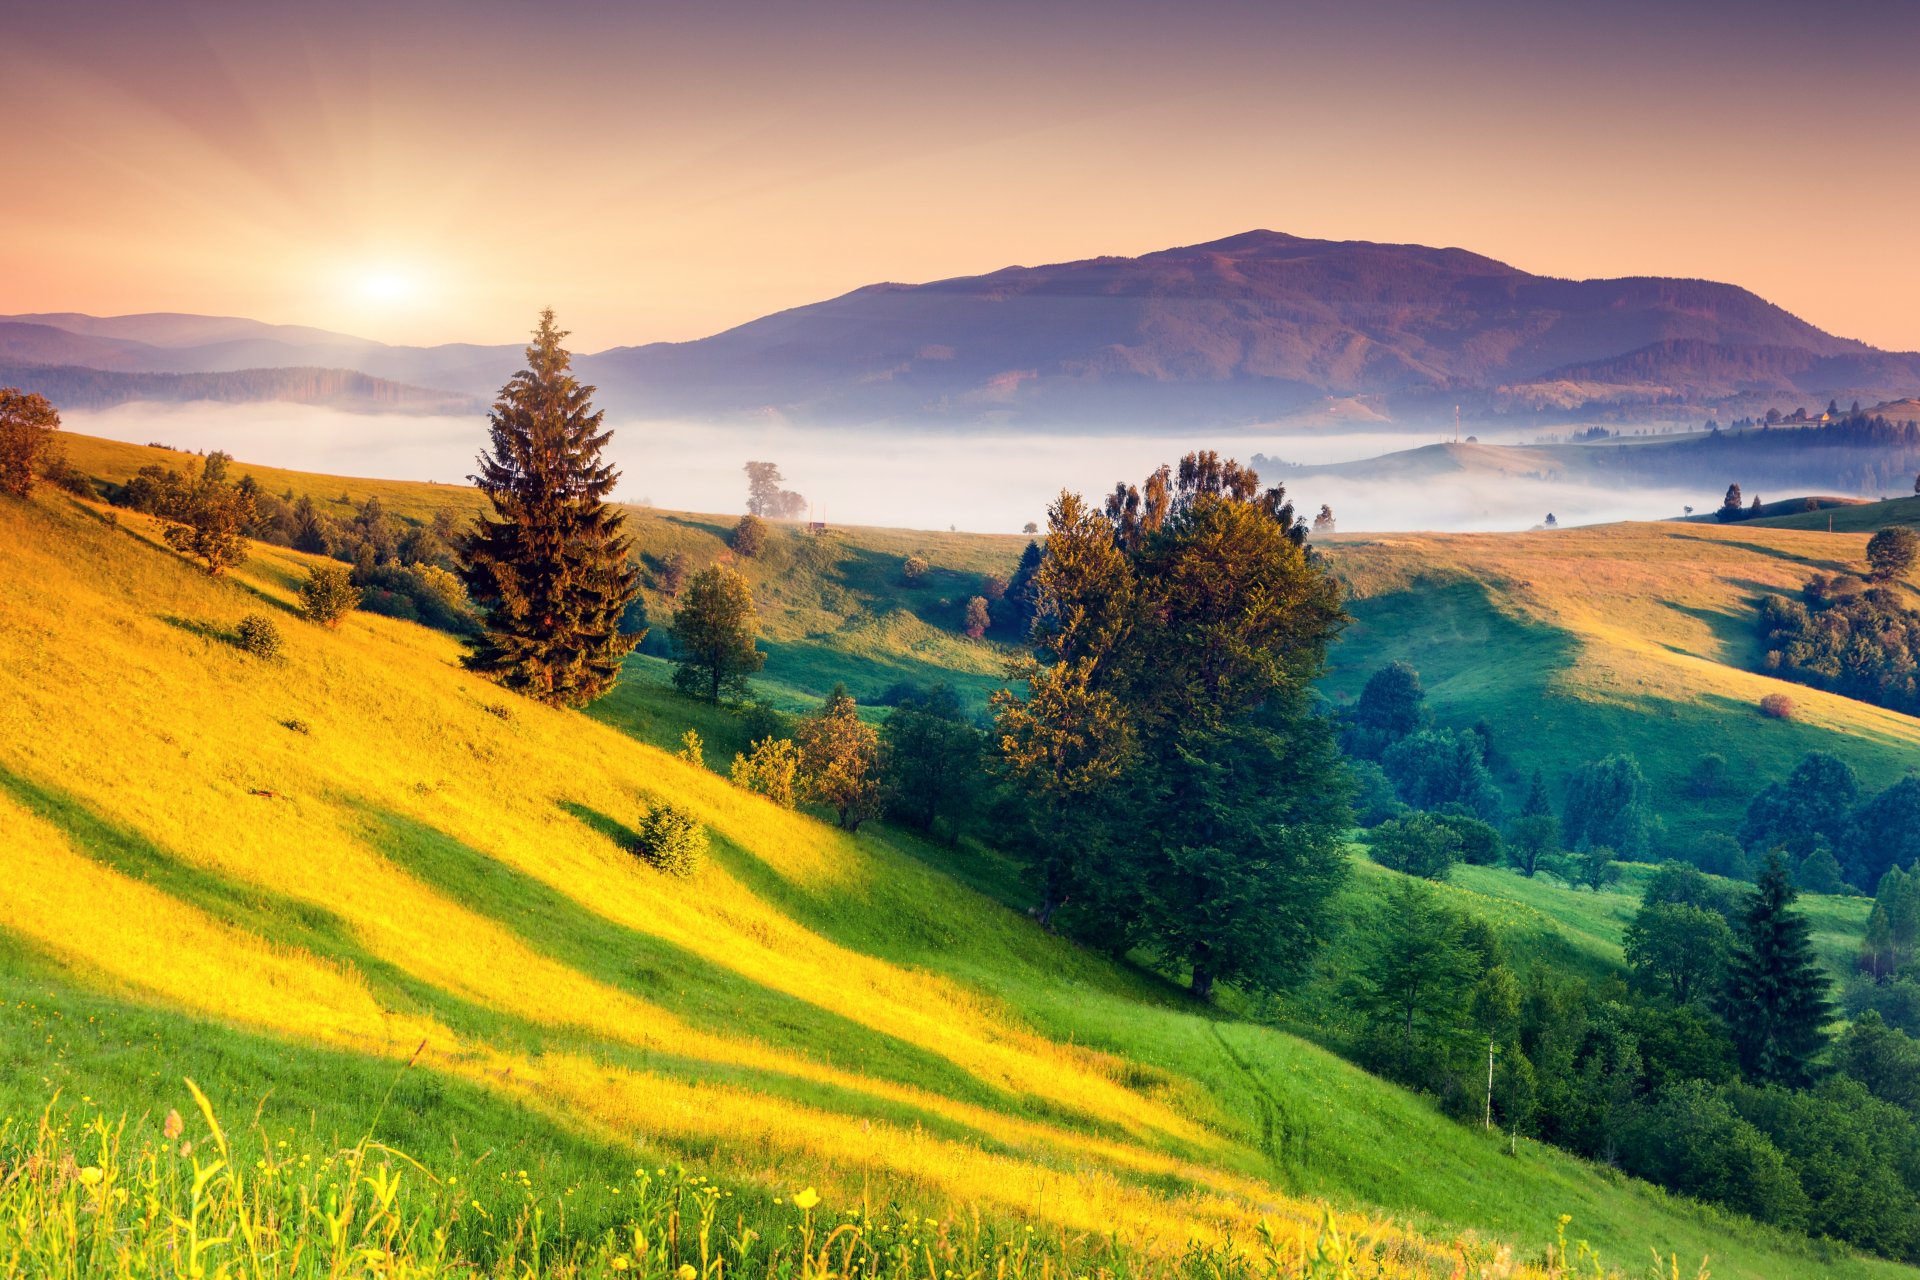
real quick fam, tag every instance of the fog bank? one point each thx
(900, 478)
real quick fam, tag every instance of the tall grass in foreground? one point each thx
(88, 1196)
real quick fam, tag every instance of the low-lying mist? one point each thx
(898, 478)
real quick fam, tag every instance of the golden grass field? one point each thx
(290, 878)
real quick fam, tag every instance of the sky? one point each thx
(436, 172)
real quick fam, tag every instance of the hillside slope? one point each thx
(1574, 644)
(286, 878)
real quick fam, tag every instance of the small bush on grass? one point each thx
(1777, 706)
(672, 840)
(328, 594)
(260, 637)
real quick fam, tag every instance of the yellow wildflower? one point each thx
(806, 1199)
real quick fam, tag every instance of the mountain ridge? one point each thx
(1246, 329)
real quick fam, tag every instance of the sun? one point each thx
(387, 286)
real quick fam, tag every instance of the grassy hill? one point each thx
(1576, 643)
(1861, 517)
(288, 879)
(833, 607)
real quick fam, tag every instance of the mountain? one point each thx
(1259, 327)
(1253, 328)
(75, 387)
(167, 343)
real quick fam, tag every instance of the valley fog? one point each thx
(975, 482)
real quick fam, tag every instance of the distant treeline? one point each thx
(74, 387)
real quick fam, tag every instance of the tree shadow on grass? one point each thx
(708, 995)
(252, 908)
(310, 927)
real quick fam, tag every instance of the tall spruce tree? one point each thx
(1774, 997)
(552, 574)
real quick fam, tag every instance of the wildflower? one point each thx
(686, 1271)
(806, 1199)
(90, 1176)
(619, 1263)
(174, 1126)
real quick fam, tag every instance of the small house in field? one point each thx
(816, 527)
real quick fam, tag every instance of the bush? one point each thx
(913, 568)
(770, 770)
(672, 840)
(328, 594)
(1777, 706)
(260, 637)
(749, 536)
(1418, 844)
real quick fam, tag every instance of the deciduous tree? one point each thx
(27, 424)
(840, 760)
(713, 636)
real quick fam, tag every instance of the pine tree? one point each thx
(713, 636)
(1774, 998)
(551, 575)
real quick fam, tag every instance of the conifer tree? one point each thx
(1774, 998)
(551, 574)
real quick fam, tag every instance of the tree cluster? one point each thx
(1177, 790)
(766, 498)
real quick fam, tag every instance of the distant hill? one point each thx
(1258, 327)
(1852, 456)
(72, 387)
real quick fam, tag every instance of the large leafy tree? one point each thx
(1677, 949)
(713, 632)
(1810, 808)
(1607, 804)
(1187, 622)
(209, 517)
(551, 574)
(1065, 746)
(932, 762)
(840, 760)
(27, 424)
(1774, 998)
(1391, 706)
(1882, 834)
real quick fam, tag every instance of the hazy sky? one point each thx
(436, 172)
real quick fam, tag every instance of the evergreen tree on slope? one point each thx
(552, 573)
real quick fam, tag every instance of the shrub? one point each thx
(672, 840)
(1777, 706)
(328, 594)
(260, 637)
(749, 536)
(300, 727)
(770, 770)
(977, 620)
(913, 568)
(1892, 551)
(1418, 844)
(693, 748)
